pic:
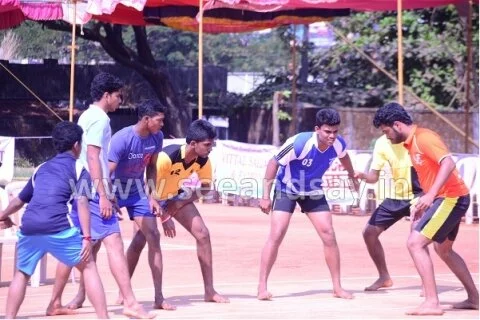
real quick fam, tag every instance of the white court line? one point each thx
(243, 284)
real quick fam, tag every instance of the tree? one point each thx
(139, 57)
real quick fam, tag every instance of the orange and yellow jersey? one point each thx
(173, 172)
(427, 150)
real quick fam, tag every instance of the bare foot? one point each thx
(340, 293)
(467, 304)
(137, 312)
(76, 303)
(426, 309)
(164, 305)
(59, 310)
(380, 283)
(264, 295)
(216, 298)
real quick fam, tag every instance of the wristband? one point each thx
(88, 238)
(167, 218)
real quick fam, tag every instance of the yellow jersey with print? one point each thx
(399, 179)
(173, 172)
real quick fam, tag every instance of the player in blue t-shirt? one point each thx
(46, 227)
(134, 150)
(297, 169)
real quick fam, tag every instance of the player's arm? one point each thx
(347, 164)
(16, 204)
(95, 168)
(371, 177)
(151, 176)
(269, 177)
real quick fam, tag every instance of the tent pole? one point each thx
(400, 51)
(200, 60)
(72, 62)
(468, 72)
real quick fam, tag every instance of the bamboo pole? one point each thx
(408, 90)
(72, 62)
(200, 59)
(400, 51)
(468, 72)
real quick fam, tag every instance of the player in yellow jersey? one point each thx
(175, 165)
(400, 190)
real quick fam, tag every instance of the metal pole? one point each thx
(400, 51)
(200, 59)
(468, 74)
(72, 62)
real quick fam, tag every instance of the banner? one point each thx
(239, 168)
(7, 156)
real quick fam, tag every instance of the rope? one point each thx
(29, 90)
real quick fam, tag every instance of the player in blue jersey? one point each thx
(297, 170)
(134, 150)
(46, 227)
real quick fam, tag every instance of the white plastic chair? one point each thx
(469, 169)
(40, 274)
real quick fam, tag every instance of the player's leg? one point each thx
(148, 227)
(454, 261)
(387, 214)
(29, 253)
(430, 224)
(318, 212)
(189, 217)
(283, 207)
(79, 299)
(118, 265)
(66, 247)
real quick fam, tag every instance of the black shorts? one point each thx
(442, 219)
(389, 212)
(287, 202)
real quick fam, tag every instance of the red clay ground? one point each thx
(299, 281)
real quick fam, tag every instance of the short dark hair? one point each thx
(200, 130)
(104, 82)
(149, 108)
(328, 116)
(65, 134)
(390, 113)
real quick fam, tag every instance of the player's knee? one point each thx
(370, 233)
(328, 237)
(413, 244)
(202, 235)
(153, 237)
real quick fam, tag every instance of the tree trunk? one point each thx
(178, 116)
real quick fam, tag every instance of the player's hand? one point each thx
(169, 228)
(6, 223)
(106, 207)
(155, 207)
(265, 205)
(424, 202)
(116, 208)
(359, 175)
(86, 250)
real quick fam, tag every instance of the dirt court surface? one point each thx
(300, 281)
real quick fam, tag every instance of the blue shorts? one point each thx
(136, 206)
(100, 228)
(65, 246)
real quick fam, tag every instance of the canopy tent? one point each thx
(219, 15)
(206, 15)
